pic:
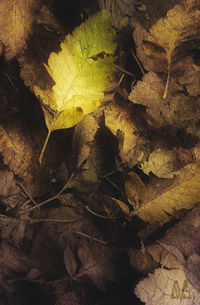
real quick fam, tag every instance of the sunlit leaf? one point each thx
(81, 71)
(166, 287)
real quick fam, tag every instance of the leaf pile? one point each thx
(116, 194)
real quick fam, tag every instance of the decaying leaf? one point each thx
(70, 261)
(119, 119)
(177, 249)
(96, 263)
(192, 270)
(183, 193)
(83, 136)
(13, 259)
(166, 287)
(118, 9)
(86, 57)
(191, 79)
(168, 40)
(161, 163)
(19, 152)
(113, 207)
(135, 190)
(16, 22)
(65, 297)
(177, 106)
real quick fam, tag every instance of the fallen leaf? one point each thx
(166, 287)
(118, 9)
(13, 259)
(177, 106)
(84, 134)
(119, 120)
(20, 153)
(183, 193)
(191, 79)
(16, 22)
(162, 46)
(96, 263)
(192, 270)
(65, 297)
(161, 162)
(135, 190)
(70, 261)
(86, 57)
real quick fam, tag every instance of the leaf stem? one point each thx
(44, 146)
(166, 86)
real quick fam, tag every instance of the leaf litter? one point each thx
(116, 196)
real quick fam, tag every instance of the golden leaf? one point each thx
(183, 193)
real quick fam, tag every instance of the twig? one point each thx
(32, 220)
(28, 194)
(93, 238)
(99, 215)
(113, 184)
(10, 80)
(54, 197)
(138, 62)
(96, 214)
(124, 71)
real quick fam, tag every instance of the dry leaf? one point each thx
(16, 21)
(118, 10)
(70, 261)
(135, 190)
(177, 106)
(183, 193)
(84, 134)
(191, 79)
(119, 119)
(161, 47)
(161, 163)
(96, 263)
(166, 287)
(20, 153)
(192, 270)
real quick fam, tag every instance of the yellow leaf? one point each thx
(184, 193)
(81, 72)
(119, 119)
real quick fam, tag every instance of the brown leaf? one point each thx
(83, 137)
(70, 261)
(96, 263)
(16, 22)
(19, 148)
(175, 108)
(14, 259)
(192, 270)
(120, 120)
(135, 190)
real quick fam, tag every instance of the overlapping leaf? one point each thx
(183, 193)
(81, 71)
(16, 21)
